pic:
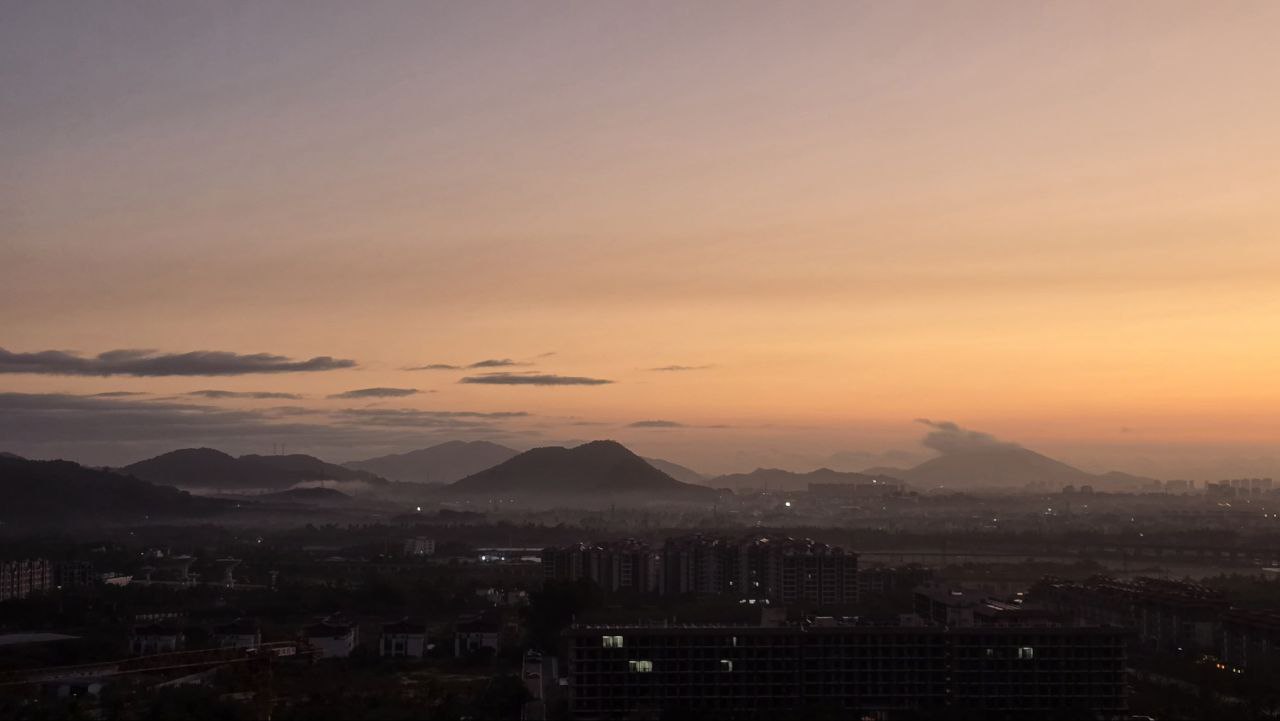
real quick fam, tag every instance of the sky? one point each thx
(780, 232)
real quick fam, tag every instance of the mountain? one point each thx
(64, 492)
(599, 470)
(443, 463)
(310, 468)
(677, 471)
(1005, 466)
(206, 468)
(11, 456)
(778, 479)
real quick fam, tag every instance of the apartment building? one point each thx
(617, 671)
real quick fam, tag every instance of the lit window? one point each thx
(611, 641)
(726, 665)
(640, 666)
(733, 641)
(1026, 652)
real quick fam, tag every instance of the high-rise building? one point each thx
(19, 579)
(776, 569)
(616, 566)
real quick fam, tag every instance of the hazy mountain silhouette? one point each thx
(778, 479)
(207, 468)
(1005, 466)
(11, 456)
(598, 470)
(310, 468)
(677, 471)
(65, 492)
(443, 463)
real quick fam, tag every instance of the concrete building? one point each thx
(699, 564)
(403, 639)
(417, 547)
(73, 574)
(942, 605)
(1166, 615)
(473, 633)
(1250, 640)
(682, 671)
(773, 568)
(332, 638)
(156, 638)
(19, 579)
(626, 566)
(240, 633)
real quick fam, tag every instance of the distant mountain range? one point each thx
(778, 479)
(209, 469)
(443, 463)
(678, 472)
(600, 470)
(68, 493)
(1002, 467)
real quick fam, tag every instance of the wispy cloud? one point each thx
(677, 368)
(261, 395)
(377, 393)
(486, 363)
(533, 379)
(656, 424)
(138, 362)
(496, 363)
(409, 417)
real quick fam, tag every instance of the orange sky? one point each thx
(1058, 223)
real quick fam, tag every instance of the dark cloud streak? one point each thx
(377, 393)
(137, 362)
(533, 379)
(259, 395)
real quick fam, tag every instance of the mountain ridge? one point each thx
(211, 469)
(596, 469)
(442, 463)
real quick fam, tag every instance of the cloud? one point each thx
(533, 379)
(410, 417)
(415, 413)
(135, 362)
(495, 363)
(117, 394)
(948, 438)
(377, 393)
(672, 369)
(486, 363)
(260, 395)
(656, 424)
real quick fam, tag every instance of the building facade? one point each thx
(19, 579)
(403, 639)
(626, 566)
(618, 671)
